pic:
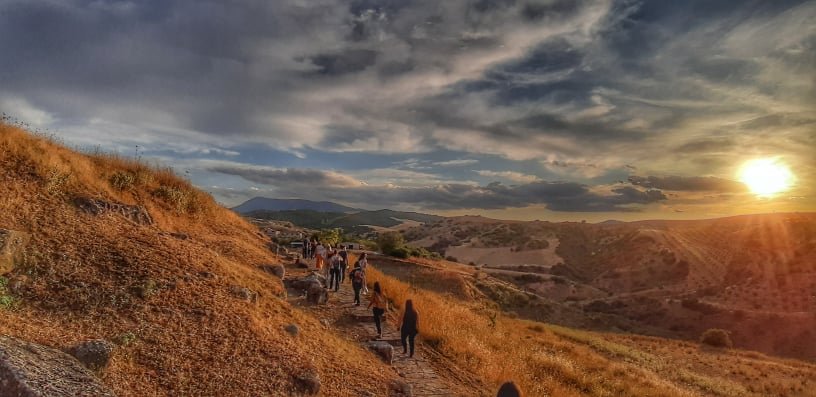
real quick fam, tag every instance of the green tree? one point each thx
(329, 236)
(390, 242)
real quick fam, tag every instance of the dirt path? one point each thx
(357, 323)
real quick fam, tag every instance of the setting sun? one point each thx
(766, 177)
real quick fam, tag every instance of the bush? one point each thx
(401, 252)
(390, 241)
(717, 338)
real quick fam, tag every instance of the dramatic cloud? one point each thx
(557, 196)
(690, 184)
(580, 91)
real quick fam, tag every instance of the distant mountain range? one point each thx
(324, 214)
(271, 204)
(359, 222)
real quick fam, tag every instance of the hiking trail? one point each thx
(357, 322)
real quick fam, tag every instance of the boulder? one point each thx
(93, 354)
(382, 349)
(276, 270)
(244, 293)
(12, 244)
(134, 213)
(31, 370)
(317, 295)
(300, 263)
(306, 283)
(308, 383)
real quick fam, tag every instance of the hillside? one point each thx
(358, 222)
(270, 204)
(137, 256)
(667, 278)
(550, 360)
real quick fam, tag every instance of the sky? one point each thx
(536, 109)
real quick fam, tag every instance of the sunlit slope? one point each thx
(174, 281)
(464, 321)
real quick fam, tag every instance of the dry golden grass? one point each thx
(168, 301)
(549, 360)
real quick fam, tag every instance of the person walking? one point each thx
(509, 389)
(305, 248)
(344, 264)
(363, 261)
(380, 305)
(334, 271)
(320, 255)
(356, 277)
(409, 327)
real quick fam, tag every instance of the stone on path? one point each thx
(382, 349)
(12, 244)
(31, 370)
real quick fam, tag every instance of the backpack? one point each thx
(357, 276)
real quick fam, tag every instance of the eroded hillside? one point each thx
(746, 274)
(134, 255)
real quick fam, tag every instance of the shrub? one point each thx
(122, 180)
(716, 337)
(182, 200)
(6, 300)
(390, 241)
(401, 252)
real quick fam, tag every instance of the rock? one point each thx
(244, 293)
(276, 270)
(292, 329)
(306, 283)
(308, 384)
(31, 370)
(400, 388)
(180, 236)
(317, 277)
(302, 264)
(12, 244)
(382, 349)
(134, 213)
(317, 295)
(93, 354)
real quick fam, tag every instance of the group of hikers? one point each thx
(333, 263)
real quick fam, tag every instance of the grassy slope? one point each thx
(559, 361)
(168, 301)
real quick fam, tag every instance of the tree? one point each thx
(390, 242)
(329, 236)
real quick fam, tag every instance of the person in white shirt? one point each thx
(320, 256)
(364, 265)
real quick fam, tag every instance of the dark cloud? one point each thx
(557, 196)
(689, 184)
(552, 82)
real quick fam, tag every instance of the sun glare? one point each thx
(766, 177)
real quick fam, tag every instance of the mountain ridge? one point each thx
(276, 204)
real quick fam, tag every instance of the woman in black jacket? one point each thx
(409, 327)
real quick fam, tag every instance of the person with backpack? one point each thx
(378, 304)
(509, 389)
(356, 277)
(409, 327)
(344, 264)
(335, 264)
